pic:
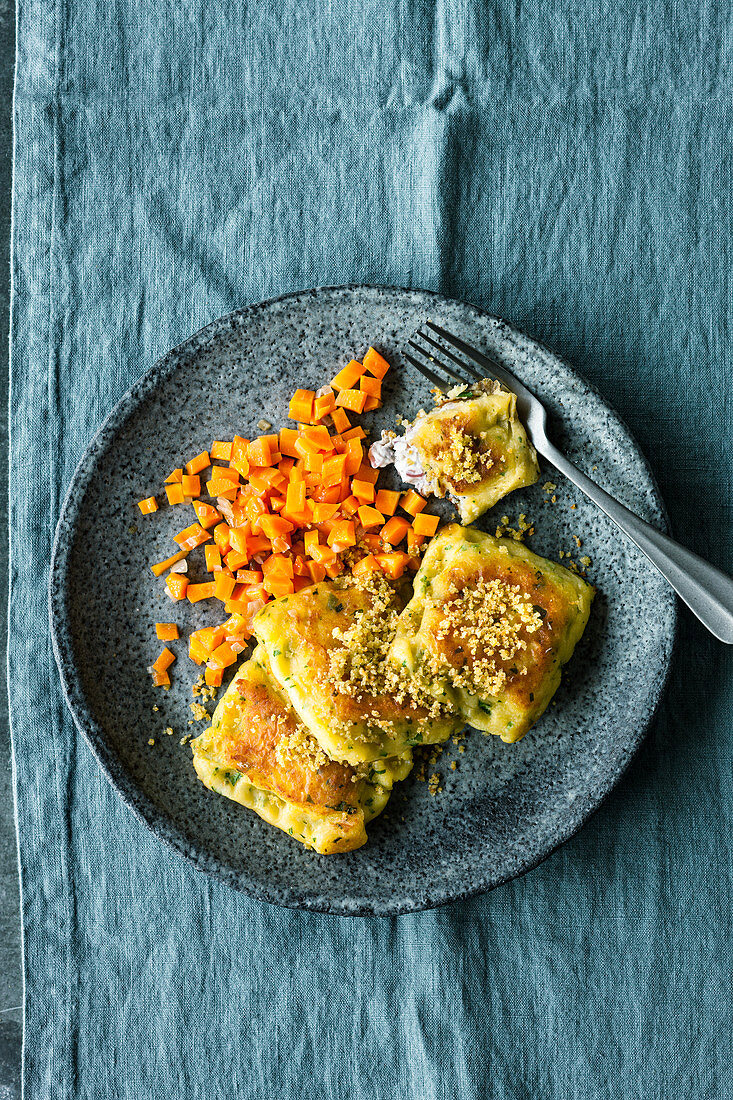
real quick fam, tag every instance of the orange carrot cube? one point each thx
(166, 632)
(375, 363)
(425, 525)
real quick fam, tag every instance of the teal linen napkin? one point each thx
(567, 166)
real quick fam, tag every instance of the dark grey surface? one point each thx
(507, 806)
(10, 958)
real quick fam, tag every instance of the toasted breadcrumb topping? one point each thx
(518, 533)
(361, 665)
(459, 460)
(493, 620)
(297, 748)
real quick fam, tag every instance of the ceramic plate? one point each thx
(505, 807)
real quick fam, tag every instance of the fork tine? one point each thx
(444, 366)
(431, 377)
(446, 351)
(479, 357)
(491, 366)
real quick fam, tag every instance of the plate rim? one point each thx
(142, 807)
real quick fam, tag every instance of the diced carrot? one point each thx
(240, 446)
(387, 501)
(191, 485)
(344, 488)
(349, 376)
(221, 537)
(206, 514)
(372, 387)
(235, 559)
(370, 517)
(351, 505)
(366, 565)
(414, 541)
(301, 406)
(259, 452)
(322, 553)
(285, 465)
(300, 567)
(354, 433)
(213, 557)
(277, 563)
(148, 506)
(225, 473)
(341, 421)
(254, 508)
(175, 477)
(364, 490)
(375, 363)
(371, 404)
(342, 535)
(257, 544)
(174, 493)
(267, 480)
(196, 592)
(222, 488)
(222, 657)
(323, 405)
(328, 494)
(323, 512)
(304, 447)
(161, 679)
(234, 626)
(221, 451)
(165, 660)
(176, 584)
(192, 536)
(288, 438)
(160, 567)
(166, 632)
(412, 502)
(367, 473)
(301, 582)
(354, 456)
(334, 567)
(413, 563)
(196, 651)
(279, 585)
(310, 542)
(213, 676)
(393, 564)
(208, 637)
(275, 526)
(333, 470)
(295, 497)
(249, 576)
(394, 530)
(314, 464)
(372, 542)
(319, 436)
(317, 571)
(238, 537)
(223, 586)
(199, 463)
(424, 524)
(354, 400)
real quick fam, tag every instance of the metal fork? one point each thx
(707, 591)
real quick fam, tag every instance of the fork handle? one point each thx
(707, 591)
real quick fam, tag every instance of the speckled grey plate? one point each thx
(505, 807)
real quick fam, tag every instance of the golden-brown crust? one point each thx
(526, 669)
(258, 740)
